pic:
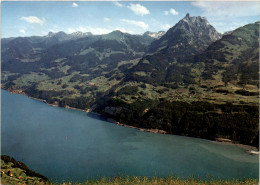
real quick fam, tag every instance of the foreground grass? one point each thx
(14, 172)
(160, 181)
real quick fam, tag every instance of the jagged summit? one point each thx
(62, 36)
(192, 18)
(197, 25)
(194, 21)
(52, 34)
(187, 16)
(192, 34)
(79, 33)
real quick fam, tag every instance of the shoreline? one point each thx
(252, 150)
(156, 131)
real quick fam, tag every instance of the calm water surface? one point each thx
(65, 144)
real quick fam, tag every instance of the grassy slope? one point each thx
(207, 80)
(20, 173)
(207, 77)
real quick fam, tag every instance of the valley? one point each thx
(189, 81)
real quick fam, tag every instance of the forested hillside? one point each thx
(190, 80)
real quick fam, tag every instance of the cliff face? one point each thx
(190, 35)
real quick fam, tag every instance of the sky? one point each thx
(38, 18)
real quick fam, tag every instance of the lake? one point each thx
(66, 144)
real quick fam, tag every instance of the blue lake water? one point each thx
(65, 144)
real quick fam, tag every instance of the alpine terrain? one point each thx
(190, 81)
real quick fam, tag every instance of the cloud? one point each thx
(138, 9)
(171, 11)
(124, 30)
(75, 5)
(96, 31)
(228, 8)
(165, 26)
(228, 15)
(51, 30)
(22, 31)
(223, 26)
(71, 30)
(107, 19)
(33, 19)
(83, 29)
(140, 24)
(117, 4)
(154, 22)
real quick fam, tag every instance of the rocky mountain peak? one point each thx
(156, 35)
(187, 16)
(58, 35)
(197, 26)
(190, 36)
(79, 34)
(50, 34)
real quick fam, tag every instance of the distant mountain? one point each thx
(213, 94)
(22, 47)
(235, 56)
(190, 80)
(189, 37)
(79, 34)
(61, 36)
(226, 33)
(15, 48)
(81, 51)
(156, 35)
(170, 58)
(25, 47)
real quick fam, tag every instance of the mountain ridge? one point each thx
(190, 83)
(189, 37)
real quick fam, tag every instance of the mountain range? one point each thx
(190, 80)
